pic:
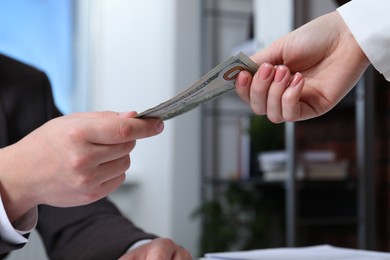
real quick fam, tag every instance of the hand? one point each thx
(321, 62)
(159, 248)
(71, 160)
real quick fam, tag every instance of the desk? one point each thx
(321, 252)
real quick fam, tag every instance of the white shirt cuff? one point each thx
(369, 22)
(138, 244)
(14, 233)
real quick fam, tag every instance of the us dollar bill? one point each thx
(215, 83)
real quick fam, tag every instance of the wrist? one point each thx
(14, 189)
(349, 40)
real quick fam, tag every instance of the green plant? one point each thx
(245, 217)
(265, 135)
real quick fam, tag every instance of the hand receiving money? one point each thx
(215, 83)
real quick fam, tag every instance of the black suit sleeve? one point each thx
(95, 231)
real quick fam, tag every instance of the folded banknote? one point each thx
(215, 83)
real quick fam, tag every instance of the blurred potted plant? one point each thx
(245, 215)
(265, 136)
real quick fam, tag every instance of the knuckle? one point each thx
(83, 195)
(75, 134)
(159, 254)
(115, 183)
(89, 197)
(79, 162)
(83, 182)
(167, 243)
(186, 254)
(259, 91)
(121, 178)
(127, 162)
(129, 146)
(125, 130)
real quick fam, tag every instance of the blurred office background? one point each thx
(122, 55)
(199, 182)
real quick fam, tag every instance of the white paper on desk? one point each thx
(321, 252)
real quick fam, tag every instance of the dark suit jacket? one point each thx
(95, 231)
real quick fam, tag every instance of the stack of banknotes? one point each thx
(215, 83)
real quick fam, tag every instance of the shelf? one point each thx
(327, 184)
(330, 221)
(253, 182)
(306, 203)
(302, 184)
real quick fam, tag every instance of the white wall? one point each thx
(137, 54)
(273, 19)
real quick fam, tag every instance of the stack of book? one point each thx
(311, 165)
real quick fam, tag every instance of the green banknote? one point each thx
(215, 83)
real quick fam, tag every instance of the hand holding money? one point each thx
(215, 83)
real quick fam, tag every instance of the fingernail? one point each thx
(265, 71)
(243, 80)
(296, 80)
(127, 114)
(160, 127)
(280, 73)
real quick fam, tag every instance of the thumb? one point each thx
(114, 130)
(128, 114)
(272, 54)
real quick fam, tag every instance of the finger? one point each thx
(113, 130)
(275, 92)
(181, 254)
(108, 152)
(93, 193)
(243, 83)
(271, 54)
(259, 88)
(163, 248)
(111, 185)
(291, 104)
(112, 169)
(261, 57)
(102, 114)
(128, 114)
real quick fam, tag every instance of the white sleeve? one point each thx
(139, 243)
(369, 22)
(14, 233)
